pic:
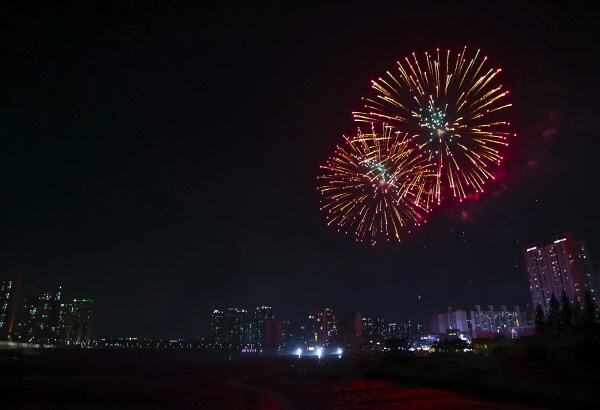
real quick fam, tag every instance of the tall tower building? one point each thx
(562, 265)
(75, 323)
(274, 336)
(65, 321)
(591, 283)
(82, 324)
(314, 326)
(404, 328)
(358, 326)
(229, 328)
(39, 315)
(294, 332)
(330, 326)
(374, 328)
(236, 327)
(322, 326)
(9, 294)
(217, 328)
(257, 329)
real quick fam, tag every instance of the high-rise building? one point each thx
(217, 328)
(330, 326)
(294, 333)
(374, 328)
(403, 328)
(229, 328)
(358, 326)
(393, 330)
(256, 328)
(65, 321)
(322, 326)
(591, 283)
(236, 327)
(9, 301)
(351, 332)
(39, 315)
(84, 309)
(562, 266)
(273, 330)
(314, 326)
(75, 322)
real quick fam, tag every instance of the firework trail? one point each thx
(451, 108)
(375, 185)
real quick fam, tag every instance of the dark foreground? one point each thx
(143, 379)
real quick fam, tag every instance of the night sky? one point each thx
(163, 160)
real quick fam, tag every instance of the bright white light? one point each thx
(339, 351)
(299, 352)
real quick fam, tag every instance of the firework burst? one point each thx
(451, 107)
(374, 185)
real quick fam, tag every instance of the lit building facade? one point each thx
(75, 323)
(374, 328)
(322, 326)
(229, 328)
(402, 328)
(491, 322)
(393, 331)
(441, 321)
(257, 330)
(217, 328)
(562, 266)
(236, 327)
(293, 333)
(39, 315)
(590, 280)
(9, 302)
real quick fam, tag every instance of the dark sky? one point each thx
(162, 160)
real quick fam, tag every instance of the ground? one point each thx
(147, 379)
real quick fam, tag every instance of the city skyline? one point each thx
(163, 160)
(22, 304)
